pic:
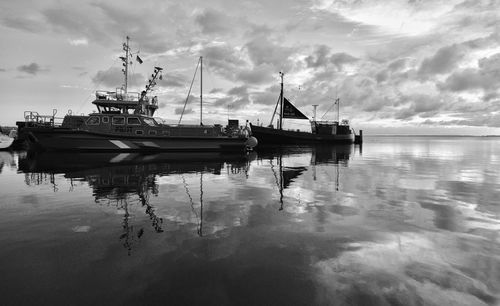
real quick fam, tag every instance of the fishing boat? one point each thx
(124, 122)
(322, 132)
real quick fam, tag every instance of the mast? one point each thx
(126, 48)
(338, 109)
(201, 90)
(281, 102)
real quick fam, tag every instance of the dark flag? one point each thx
(138, 59)
(291, 112)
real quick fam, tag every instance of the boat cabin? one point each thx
(135, 125)
(119, 102)
(330, 127)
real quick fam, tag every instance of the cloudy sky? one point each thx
(398, 66)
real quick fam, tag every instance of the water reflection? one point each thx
(126, 179)
(319, 155)
(399, 224)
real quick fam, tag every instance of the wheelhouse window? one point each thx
(93, 120)
(105, 119)
(118, 120)
(133, 121)
(150, 121)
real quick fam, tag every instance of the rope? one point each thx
(335, 103)
(189, 92)
(327, 111)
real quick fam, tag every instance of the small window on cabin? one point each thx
(150, 121)
(105, 119)
(118, 120)
(139, 132)
(152, 132)
(133, 121)
(93, 120)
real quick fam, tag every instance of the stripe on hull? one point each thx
(120, 144)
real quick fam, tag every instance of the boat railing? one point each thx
(326, 122)
(237, 131)
(34, 119)
(117, 95)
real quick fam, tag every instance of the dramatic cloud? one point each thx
(322, 56)
(212, 22)
(341, 59)
(393, 63)
(106, 25)
(32, 68)
(398, 65)
(263, 50)
(419, 104)
(224, 60)
(113, 78)
(69, 21)
(485, 77)
(173, 80)
(261, 74)
(237, 97)
(445, 60)
(319, 58)
(144, 32)
(269, 96)
(393, 17)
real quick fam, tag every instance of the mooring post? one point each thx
(358, 139)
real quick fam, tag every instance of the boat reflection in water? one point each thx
(320, 154)
(129, 179)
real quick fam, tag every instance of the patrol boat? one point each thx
(124, 122)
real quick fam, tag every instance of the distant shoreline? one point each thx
(425, 135)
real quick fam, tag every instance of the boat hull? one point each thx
(269, 136)
(60, 139)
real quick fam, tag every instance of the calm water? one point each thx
(400, 221)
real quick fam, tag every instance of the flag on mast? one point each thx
(291, 112)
